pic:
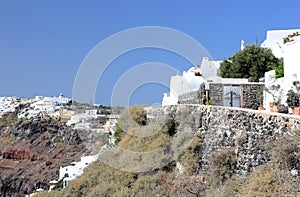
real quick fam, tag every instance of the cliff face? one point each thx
(247, 131)
(31, 153)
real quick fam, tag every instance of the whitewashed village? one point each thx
(59, 108)
(194, 86)
(283, 43)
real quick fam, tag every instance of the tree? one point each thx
(279, 69)
(251, 63)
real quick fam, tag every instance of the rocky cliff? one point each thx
(247, 131)
(31, 152)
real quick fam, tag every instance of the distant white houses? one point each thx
(55, 108)
(91, 112)
(76, 118)
(79, 120)
(83, 125)
(41, 101)
(71, 172)
(41, 104)
(9, 104)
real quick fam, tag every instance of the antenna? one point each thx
(256, 40)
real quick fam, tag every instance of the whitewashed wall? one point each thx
(291, 63)
(291, 55)
(274, 40)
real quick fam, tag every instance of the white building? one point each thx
(291, 58)
(210, 68)
(269, 81)
(60, 100)
(9, 104)
(274, 41)
(291, 62)
(91, 112)
(190, 80)
(41, 104)
(69, 173)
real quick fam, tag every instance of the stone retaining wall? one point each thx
(246, 130)
(250, 95)
(248, 98)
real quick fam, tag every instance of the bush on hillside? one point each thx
(222, 165)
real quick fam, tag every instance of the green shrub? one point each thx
(9, 119)
(118, 134)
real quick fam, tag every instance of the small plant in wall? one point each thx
(290, 37)
(275, 92)
(209, 102)
(198, 97)
(260, 97)
(293, 98)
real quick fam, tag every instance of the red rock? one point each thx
(26, 154)
(9, 153)
(12, 153)
(19, 154)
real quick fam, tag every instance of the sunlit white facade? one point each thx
(190, 80)
(291, 61)
(274, 41)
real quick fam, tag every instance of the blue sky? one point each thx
(42, 43)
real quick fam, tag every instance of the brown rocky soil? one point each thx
(31, 152)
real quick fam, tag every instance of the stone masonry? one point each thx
(246, 130)
(249, 95)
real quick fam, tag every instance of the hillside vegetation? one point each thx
(274, 179)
